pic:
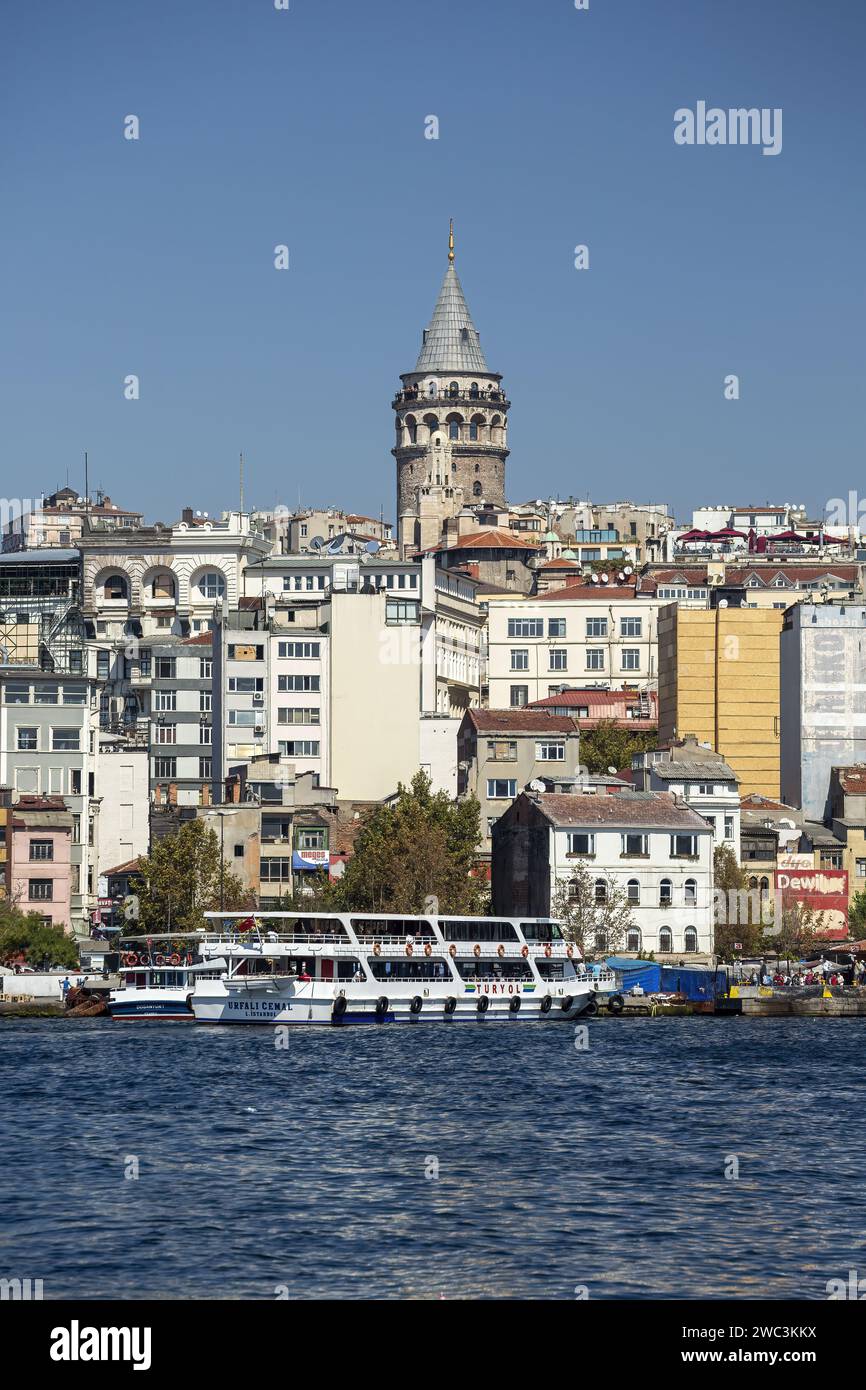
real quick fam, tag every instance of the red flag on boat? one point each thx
(247, 924)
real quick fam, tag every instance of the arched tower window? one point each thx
(453, 388)
(473, 391)
(476, 489)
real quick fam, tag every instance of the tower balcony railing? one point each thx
(419, 398)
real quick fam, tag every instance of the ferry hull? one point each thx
(312, 1006)
(176, 1009)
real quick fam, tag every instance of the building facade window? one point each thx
(40, 890)
(595, 658)
(519, 659)
(501, 788)
(519, 696)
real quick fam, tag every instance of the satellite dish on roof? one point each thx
(612, 771)
(335, 546)
(629, 569)
(317, 542)
(536, 786)
(372, 547)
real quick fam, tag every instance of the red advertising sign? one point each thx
(824, 890)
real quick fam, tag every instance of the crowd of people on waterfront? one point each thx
(824, 974)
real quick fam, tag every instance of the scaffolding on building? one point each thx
(41, 624)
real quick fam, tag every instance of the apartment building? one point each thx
(500, 752)
(657, 851)
(601, 636)
(823, 700)
(49, 748)
(59, 519)
(719, 680)
(40, 860)
(693, 772)
(124, 794)
(757, 582)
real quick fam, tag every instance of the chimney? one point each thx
(186, 515)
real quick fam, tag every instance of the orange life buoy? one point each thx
(524, 951)
(159, 960)
(428, 949)
(175, 959)
(130, 958)
(548, 950)
(500, 950)
(377, 948)
(409, 948)
(476, 950)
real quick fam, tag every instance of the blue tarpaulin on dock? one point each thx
(637, 972)
(694, 984)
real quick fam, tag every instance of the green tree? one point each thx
(736, 908)
(420, 845)
(595, 919)
(42, 946)
(608, 745)
(857, 914)
(180, 880)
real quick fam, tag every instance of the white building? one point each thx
(701, 777)
(654, 848)
(124, 795)
(600, 636)
(49, 747)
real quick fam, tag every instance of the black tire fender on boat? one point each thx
(340, 1006)
(483, 1004)
(382, 1006)
(514, 1006)
(615, 1004)
(417, 1005)
(592, 1008)
(450, 1004)
(546, 1004)
(566, 1003)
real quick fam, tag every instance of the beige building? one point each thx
(718, 679)
(500, 751)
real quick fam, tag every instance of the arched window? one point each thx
(765, 887)
(666, 940)
(690, 940)
(453, 429)
(632, 939)
(162, 585)
(412, 429)
(211, 584)
(691, 892)
(666, 893)
(753, 882)
(453, 388)
(478, 468)
(476, 489)
(431, 389)
(600, 890)
(454, 468)
(432, 422)
(473, 430)
(473, 391)
(633, 891)
(116, 586)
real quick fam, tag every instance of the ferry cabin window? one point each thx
(541, 931)
(348, 969)
(427, 968)
(477, 930)
(552, 969)
(473, 969)
(399, 927)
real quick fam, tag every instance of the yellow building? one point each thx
(719, 679)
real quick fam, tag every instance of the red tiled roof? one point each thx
(201, 639)
(491, 539)
(620, 809)
(852, 779)
(603, 704)
(560, 564)
(488, 721)
(130, 867)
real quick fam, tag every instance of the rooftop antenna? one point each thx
(86, 485)
(242, 482)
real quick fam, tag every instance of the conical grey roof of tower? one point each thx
(451, 343)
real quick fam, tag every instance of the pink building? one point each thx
(40, 872)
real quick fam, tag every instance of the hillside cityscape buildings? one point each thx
(276, 673)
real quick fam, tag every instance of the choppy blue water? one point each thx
(304, 1170)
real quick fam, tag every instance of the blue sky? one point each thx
(306, 127)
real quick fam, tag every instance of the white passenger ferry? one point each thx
(293, 968)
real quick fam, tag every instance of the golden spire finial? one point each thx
(451, 243)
